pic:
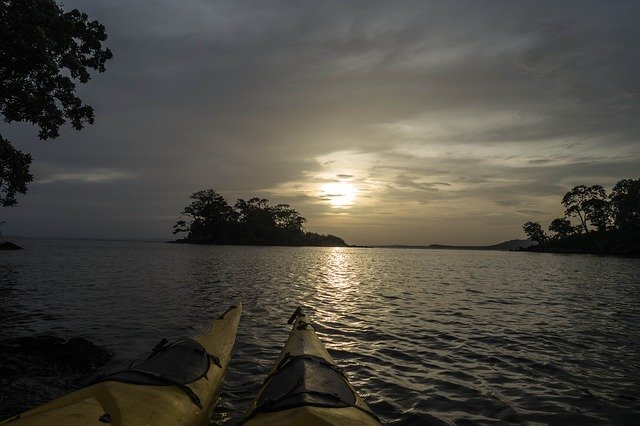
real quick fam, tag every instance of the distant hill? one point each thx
(510, 245)
(504, 246)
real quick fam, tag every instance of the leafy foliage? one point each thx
(14, 173)
(625, 203)
(586, 203)
(211, 220)
(534, 232)
(45, 49)
(561, 226)
(44, 52)
(598, 212)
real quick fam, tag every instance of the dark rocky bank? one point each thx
(7, 245)
(35, 369)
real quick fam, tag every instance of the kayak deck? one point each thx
(177, 384)
(307, 387)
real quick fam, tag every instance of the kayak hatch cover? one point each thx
(306, 386)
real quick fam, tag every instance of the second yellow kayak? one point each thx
(306, 387)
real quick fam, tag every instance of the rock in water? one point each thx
(36, 369)
(49, 355)
(9, 246)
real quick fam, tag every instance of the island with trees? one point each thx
(209, 219)
(604, 223)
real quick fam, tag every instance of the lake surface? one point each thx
(426, 336)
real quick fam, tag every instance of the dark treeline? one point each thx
(604, 223)
(209, 219)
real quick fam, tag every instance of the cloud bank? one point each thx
(447, 122)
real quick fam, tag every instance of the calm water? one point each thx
(427, 337)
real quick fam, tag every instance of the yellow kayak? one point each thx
(306, 387)
(178, 384)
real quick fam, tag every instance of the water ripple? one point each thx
(427, 337)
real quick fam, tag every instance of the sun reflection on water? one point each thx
(338, 294)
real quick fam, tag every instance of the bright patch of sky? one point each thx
(392, 123)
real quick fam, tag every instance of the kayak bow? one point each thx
(307, 387)
(178, 384)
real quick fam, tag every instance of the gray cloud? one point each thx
(442, 115)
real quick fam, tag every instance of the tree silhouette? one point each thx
(14, 173)
(44, 52)
(261, 223)
(561, 226)
(598, 212)
(288, 219)
(212, 221)
(257, 224)
(616, 219)
(534, 232)
(579, 202)
(625, 203)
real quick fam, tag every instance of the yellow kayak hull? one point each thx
(304, 347)
(115, 402)
(314, 416)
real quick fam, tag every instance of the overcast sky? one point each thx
(381, 122)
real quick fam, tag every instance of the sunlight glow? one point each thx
(339, 194)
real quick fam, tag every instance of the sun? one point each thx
(339, 194)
